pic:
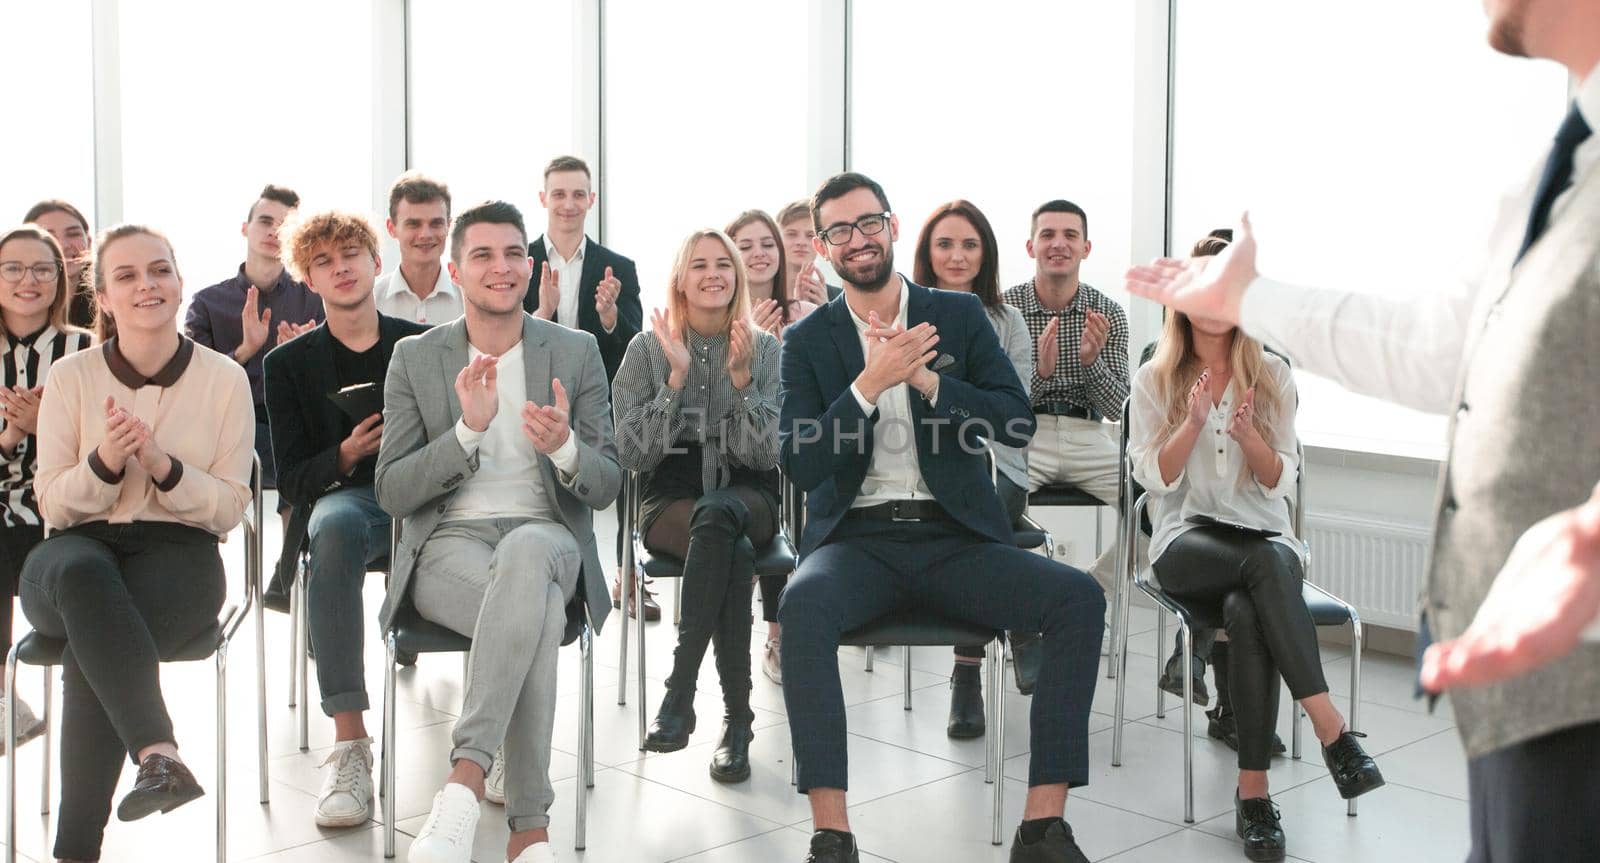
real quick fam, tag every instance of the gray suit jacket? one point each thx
(421, 463)
(1524, 443)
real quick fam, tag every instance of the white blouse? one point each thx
(1209, 482)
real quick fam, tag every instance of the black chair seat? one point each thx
(36, 649)
(919, 628)
(1324, 611)
(1028, 538)
(776, 559)
(1062, 495)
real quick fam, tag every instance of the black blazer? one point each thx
(826, 441)
(630, 315)
(306, 425)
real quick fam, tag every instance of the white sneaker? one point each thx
(29, 726)
(494, 785)
(772, 662)
(446, 837)
(346, 798)
(538, 852)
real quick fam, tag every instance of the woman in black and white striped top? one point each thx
(696, 402)
(34, 301)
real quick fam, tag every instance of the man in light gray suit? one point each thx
(1511, 358)
(497, 448)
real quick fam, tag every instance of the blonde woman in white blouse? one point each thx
(1212, 440)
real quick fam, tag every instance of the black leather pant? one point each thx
(1251, 587)
(718, 584)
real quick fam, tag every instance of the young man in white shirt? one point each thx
(420, 289)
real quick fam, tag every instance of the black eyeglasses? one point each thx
(838, 235)
(13, 272)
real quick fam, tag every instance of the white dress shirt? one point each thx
(397, 300)
(892, 472)
(570, 280)
(1212, 481)
(507, 483)
(1405, 352)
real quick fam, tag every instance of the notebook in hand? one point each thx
(359, 401)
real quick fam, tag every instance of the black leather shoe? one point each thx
(1221, 726)
(731, 761)
(275, 597)
(1057, 846)
(1256, 821)
(1353, 770)
(163, 784)
(1027, 654)
(966, 702)
(1172, 678)
(674, 722)
(833, 846)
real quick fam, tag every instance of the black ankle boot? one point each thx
(1256, 822)
(1353, 770)
(966, 702)
(1027, 654)
(731, 761)
(674, 722)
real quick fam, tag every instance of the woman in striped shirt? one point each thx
(696, 402)
(34, 300)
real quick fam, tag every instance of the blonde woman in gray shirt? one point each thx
(696, 402)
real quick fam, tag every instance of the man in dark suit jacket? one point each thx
(890, 395)
(326, 457)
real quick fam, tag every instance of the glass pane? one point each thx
(219, 99)
(48, 69)
(1362, 167)
(487, 122)
(705, 118)
(1009, 125)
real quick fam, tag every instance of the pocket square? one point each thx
(944, 361)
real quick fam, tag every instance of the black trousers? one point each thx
(1015, 500)
(1251, 587)
(1538, 800)
(15, 543)
(123, 596)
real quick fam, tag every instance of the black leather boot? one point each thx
(1256, 822)
(674, 722)
(731, 761)
(1027, 654)
(1054, 845)
(966, 702)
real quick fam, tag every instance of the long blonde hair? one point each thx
(678, 302)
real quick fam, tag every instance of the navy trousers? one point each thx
(869, 568)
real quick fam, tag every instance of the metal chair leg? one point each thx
(1294, 732)
(906, 655)
(49, 747)
(585, 732)
(997, 730)
(388, 747)
(303, 651)
(222, 753)
(11, 759)
(295, 656)
(868, 651)
(1188, 722)
(1355, 683)
(261, 698)
(622, 659)
(677, 601)
(1161, 641)
(638, 606)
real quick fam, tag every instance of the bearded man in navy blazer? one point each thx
(891, 394)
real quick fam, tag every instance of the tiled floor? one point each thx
(917, 796)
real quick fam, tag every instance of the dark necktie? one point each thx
(1557, 175)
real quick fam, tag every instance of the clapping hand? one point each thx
(288, 330)
(673, 346)
(1047, 351)
(125, 436)
(896, 356)
(741, 347)
(768, 315)
(475, 388)
(256, 323)
(21, 408)
(808, 284)
(549, 292)
(1096, 329)
(1200, 398)
(1242, 426)
(605, 300)
(547, 426)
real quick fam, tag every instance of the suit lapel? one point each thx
(452, 360)
(535, 362)
(847, 340)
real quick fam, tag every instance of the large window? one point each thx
(47, 64)
(1006, 109)
(219, 99)
(487, 121)
(1363, 166)
(705, 118)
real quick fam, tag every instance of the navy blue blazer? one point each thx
(630, 314)
(826, 441)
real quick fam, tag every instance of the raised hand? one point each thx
(895, 355)
(673, 346)
(475, 389)
(1200, 398)
(257, 326)
(1536, 611)
(768, 315)
(546, 427)
(362, 441)
(21, 408)
(1096, 329)
(1047, 351)
(1207, 287)
(288, 330)
(549, 292)
(605, 300)
(808, 284)
(741, 347)
(125, 434)
(1242, 426)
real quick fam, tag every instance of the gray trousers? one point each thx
(505, 583)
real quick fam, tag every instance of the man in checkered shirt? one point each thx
(1080, 364)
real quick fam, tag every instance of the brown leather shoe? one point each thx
(163, 785)
(652, 611)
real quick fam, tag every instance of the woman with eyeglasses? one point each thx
(34, 298)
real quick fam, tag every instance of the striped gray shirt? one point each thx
(732, 427)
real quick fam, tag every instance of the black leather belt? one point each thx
(1067, 409)
(903, 510)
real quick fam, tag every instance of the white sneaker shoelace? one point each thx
(450, 821)
(354, 763)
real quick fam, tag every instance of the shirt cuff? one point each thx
(611, 329)
(565, 458)
(866, 406)
(1269, 304)
(101, 470)
(468, 438)
(174, 473)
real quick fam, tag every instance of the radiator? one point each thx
(1377, 566)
